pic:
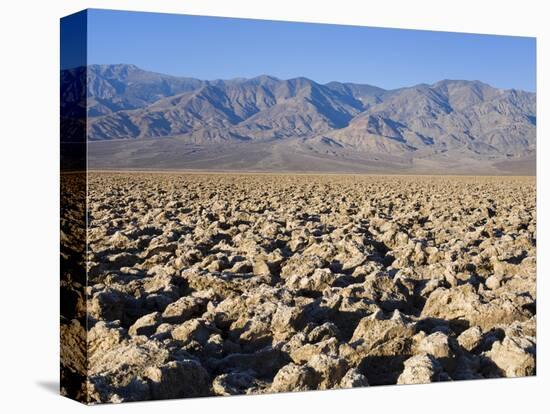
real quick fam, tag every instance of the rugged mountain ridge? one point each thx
(127, 102)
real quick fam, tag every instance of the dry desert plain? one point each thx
(220, 284)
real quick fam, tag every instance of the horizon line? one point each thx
(303, 77)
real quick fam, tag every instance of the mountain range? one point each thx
(145, 120)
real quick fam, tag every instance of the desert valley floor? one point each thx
(219, 284)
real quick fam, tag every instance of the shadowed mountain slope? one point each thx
(451, 119)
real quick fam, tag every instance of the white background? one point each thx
(29, 65)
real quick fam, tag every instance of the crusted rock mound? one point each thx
(224, 284)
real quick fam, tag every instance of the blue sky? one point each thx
(223, 48)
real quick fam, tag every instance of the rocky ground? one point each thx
(226, 284)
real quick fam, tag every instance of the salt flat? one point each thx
(218, 284)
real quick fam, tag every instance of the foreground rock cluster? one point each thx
(212, 284)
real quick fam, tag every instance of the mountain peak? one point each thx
(118, 68)
(462, 83)
(450, 116)
(265, 78)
